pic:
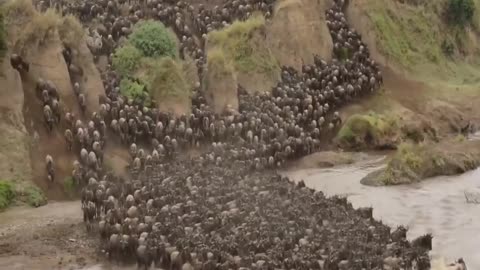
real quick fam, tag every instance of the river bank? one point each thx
(416, 162)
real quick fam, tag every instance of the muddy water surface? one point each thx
(436, 206)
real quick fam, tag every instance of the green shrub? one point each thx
(368, 130)
(166, 79)
(448, 48)
(460, 12)
(153, 40)
(7, 194)
(35, 196)
(134, 90)
(69, 185)
(126, 59)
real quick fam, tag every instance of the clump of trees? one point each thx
(460, 12)
(149, 44)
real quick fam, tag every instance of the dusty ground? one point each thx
(49, 237)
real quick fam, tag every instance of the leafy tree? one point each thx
(153, 40)
(126, 59)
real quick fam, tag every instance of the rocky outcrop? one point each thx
(297, 31)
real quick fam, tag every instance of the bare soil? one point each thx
(298, 31)
(49, 237)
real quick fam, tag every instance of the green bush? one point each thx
(448, 48)
(35, 196)
(134, 90)
(153, 40)
(126, 59)
(69, 185)
(166, 79)
(7, 194)
(460, 12)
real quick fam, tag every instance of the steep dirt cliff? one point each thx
(48, 63)
(15, 140)
(298, 31)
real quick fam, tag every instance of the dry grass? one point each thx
(71, 31)
(240, 46)
(218, 63)
(168, 80)
(28, 29)
(372, 130)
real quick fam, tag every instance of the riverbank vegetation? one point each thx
(415, 162)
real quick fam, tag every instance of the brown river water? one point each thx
(436, 206)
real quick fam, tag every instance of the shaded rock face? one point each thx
(14, 142)
(298, 31)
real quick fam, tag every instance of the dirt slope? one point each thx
(48, 63)
(91, 81)
(297, 31)
(14, 142)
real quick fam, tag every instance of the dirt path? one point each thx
(49, 237)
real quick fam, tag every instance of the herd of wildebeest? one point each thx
(226, 208)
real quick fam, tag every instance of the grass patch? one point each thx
(417, 38)
(71, 31)
(69, 185)
(368, 131)
(28, 29)
(7, 194)
(415, 162)
(241, 45)
(165, 79)
(218, 63)
(135, 91)
(34, 196)
(409, 37)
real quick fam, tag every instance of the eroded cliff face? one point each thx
(14, 138)
(298, 31)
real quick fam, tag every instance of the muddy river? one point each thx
(436, 206)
